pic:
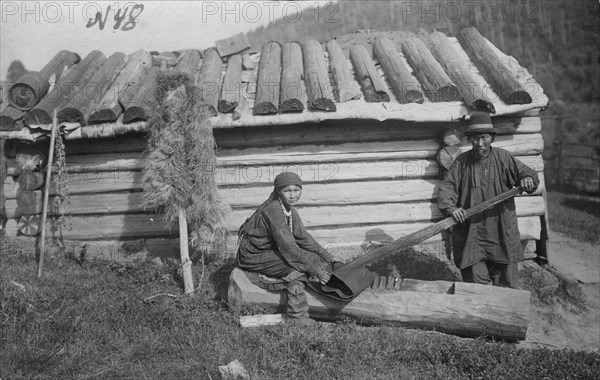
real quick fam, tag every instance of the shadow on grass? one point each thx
(592, 208)
(417, 265)
(219, 279)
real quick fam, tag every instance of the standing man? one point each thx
(486, 247)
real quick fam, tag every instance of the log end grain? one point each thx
(264, 108)
(520, 97)
(135, 113)
(103, 116)
(323, 104)
(483, 105)
(71, 115)
(291, 105)
(227, 106)
(414, 96)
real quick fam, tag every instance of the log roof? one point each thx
(388, 76)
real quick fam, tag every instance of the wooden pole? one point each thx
(47, 192)
(186, 263)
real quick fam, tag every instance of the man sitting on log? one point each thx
(273, 242)
(487, 247)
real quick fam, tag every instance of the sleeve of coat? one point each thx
(305, 239)
(519, 170)
(287, 247)
(448, 190)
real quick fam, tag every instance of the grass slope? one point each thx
(90, 321)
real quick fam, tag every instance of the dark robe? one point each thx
(494, 234)
(269, 247)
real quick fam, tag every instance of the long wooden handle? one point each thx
(46, 193)
(425, 233)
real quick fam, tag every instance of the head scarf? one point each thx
(282, 180)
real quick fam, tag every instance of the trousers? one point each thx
(297, 304)
(491, 273)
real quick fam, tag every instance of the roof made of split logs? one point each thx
(375, 76)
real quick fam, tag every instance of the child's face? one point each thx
(290, 195)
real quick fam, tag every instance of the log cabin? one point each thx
(367, 120)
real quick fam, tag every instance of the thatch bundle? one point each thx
(181, 163)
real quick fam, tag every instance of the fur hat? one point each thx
(479, 123)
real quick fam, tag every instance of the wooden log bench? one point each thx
(458, 308)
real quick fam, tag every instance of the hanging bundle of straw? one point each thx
(181, 163)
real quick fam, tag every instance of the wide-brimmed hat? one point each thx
(479, 123)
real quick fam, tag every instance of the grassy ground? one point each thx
(89, 320)
(579, 219)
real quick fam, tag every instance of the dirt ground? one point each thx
(558, 322)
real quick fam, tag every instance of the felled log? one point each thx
(367, 75)
(125, 86)
(269, 78)
(32, 87)
(346, 86)
(495, 72)
(316, 78)
(469, 310)
(447, 155)
(437, 84)
(232, 45)
(404, 85)
(188, 63)
(209, 79)
(79, 109)
(142, 103)
(232, 85)
(292, 88)
(9, 117)
(60, 95)
(470, 91)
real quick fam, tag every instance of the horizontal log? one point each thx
(367, 75)
(345, 243)
(502, 79)
(143, 103)
(292, 88)
(83, 103)
(72, 82)
(316, 77)
(120, 251)
(233, 45)
(519, 145)
(209, 79)
(436, 83)
(464, 310)
(470, 91)
(346, 87)
(269, 78)
(324, 216)
(95, 201)
(125, 85)
(405, 86)
(232, 85)
(33, 86)
(121, 175)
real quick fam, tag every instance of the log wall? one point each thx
(364, 185)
